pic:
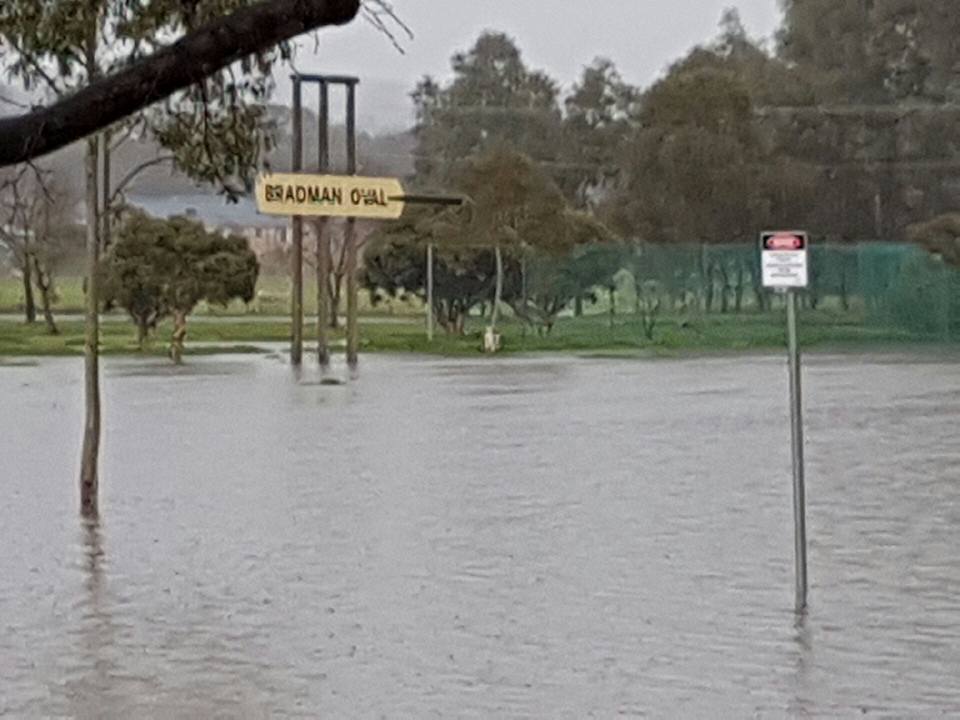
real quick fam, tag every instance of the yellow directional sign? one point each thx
(330, 196)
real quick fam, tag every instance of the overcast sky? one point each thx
(559, 36)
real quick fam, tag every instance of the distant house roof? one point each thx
(211, 210)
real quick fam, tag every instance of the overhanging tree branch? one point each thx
(194, 57)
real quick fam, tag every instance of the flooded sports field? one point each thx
(519, 538)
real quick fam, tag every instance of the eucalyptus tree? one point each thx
(599, 115)
(493, 100)
(99, 62)
(164, 268)
(879, 51)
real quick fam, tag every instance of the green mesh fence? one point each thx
(897, 288)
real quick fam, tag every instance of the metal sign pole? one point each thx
(785, 261)
(799, 481)
(430, 292)
(323, 237)
(296, 271)
(353, 329)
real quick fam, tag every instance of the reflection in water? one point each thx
(802, 705)
(93, 690)
(513, 538)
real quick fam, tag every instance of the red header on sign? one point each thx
(784, 241)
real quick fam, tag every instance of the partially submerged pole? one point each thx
(296, 260)
(89, 461)
(799, 476)
(785, 259)
(353, 329)
(323, 238)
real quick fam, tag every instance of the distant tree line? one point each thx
(651, 185)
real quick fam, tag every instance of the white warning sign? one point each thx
(785, 260)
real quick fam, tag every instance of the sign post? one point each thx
(430, 320)
(785, 261)
(351, 197)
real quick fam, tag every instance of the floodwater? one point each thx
(535, 538)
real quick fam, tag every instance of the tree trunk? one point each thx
(45, 284)
(498, 290)
(29, 303)
(179, 337)
(578, 306)
(613, 304)
(724, 289)
(651, 311)
(143, 332)
(706, 279)
(336, 295)
(106, 229)
(89, 475)
(761, 295)
(738, 290)
(48, 318)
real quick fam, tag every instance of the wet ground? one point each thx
(520, 538)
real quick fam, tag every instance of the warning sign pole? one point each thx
(785, 258)
(799, 479)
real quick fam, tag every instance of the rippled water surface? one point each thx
(538, 538)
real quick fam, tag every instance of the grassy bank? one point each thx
(592, 334)
(273, 295)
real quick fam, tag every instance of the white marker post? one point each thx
(785, 262)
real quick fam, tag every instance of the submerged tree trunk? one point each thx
(179, 338)
(29, 302)
(89, 476)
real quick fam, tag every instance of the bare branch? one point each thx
(132, 175)
(381, 15)
(34, 63)
(15, 103)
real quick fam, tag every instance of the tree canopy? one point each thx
(163, 268)
(493, 100)
(874, 52)
(110, 59)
